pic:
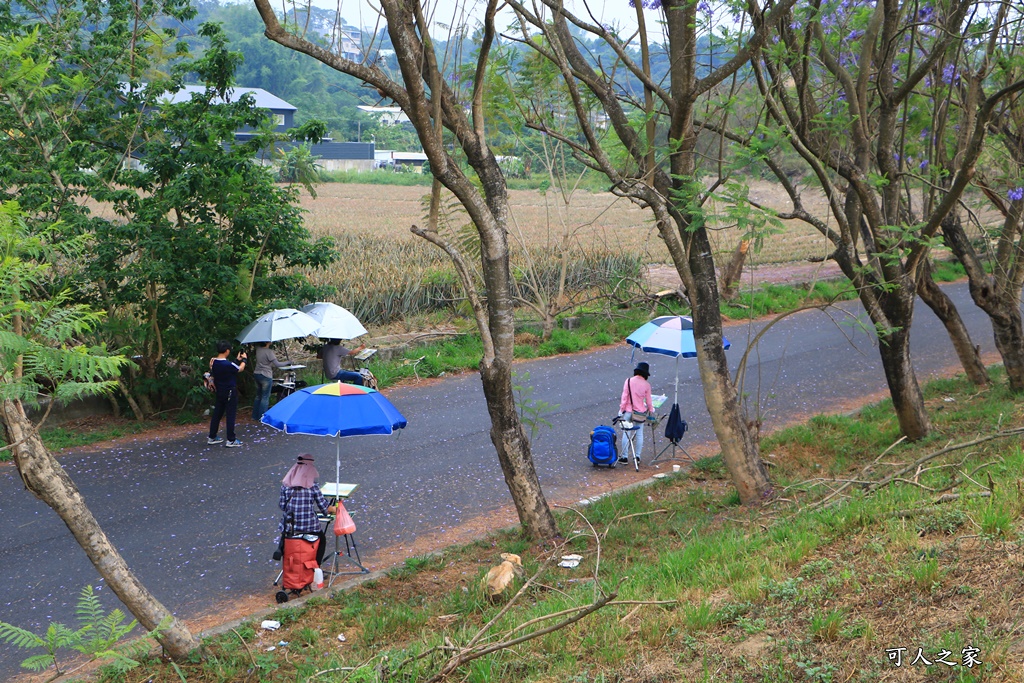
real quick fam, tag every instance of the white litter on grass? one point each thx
(341, 637)
(271, 648)
(271, 625)
(570, 561)
(660, 475)
(584, 502)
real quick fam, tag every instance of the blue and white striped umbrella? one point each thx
(669, 335)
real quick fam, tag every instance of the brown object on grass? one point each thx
(499, 578)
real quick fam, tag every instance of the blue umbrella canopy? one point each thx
(669, 335)
(335, 409)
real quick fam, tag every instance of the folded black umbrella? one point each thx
(675, 426)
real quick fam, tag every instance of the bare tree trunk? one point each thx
(1010, 344)
(739, 447)
(907, 399)
(513, 449)
(45, 478)
(734, 269)
(486, 205)
(943, 307)
(998, 295)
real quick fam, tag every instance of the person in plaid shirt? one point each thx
(301, 499)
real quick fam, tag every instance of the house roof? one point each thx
(264, 100)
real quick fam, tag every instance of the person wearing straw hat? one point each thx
(300, 499)
(636, 405)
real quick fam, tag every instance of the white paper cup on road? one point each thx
(676, 468)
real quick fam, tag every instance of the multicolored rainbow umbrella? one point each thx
(336, 409)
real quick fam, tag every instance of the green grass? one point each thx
(57, 438)
(377, 177)
(818, 593)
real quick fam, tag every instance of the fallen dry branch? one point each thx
(625, 517)
(1003, 434)
(859, 480)
(946, 498)
(468, 655)
(897, 476)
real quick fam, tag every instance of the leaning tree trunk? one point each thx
(513, 449)
(945, 309)
(739, 447)
(45, 478)
(998, 295)
(1010, 344)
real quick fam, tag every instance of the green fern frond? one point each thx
(118, 661)
(70, 391)
(19, 637)
(88, 609)
(138, 648)
(39, 662)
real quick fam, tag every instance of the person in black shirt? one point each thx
(225, 376)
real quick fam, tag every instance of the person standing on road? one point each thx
(263, 373)
(332, 353)
(225, 379)
(636, 399)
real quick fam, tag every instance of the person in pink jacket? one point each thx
(636, 399)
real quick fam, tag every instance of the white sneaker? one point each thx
(214, 441)
(233, 444)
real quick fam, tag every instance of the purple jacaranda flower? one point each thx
(795, 25)
(923, 165)
(896, 157)
(924, 133)
(1016, 194)
(948, 74)
(854, 35)
(704, 7)
(842, 96)
(925, 13)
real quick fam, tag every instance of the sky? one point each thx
(361, 13)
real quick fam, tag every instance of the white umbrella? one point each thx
(335, 321)
(283, 323)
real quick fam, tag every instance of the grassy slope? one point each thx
(777, 594)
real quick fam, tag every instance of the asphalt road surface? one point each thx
(197, 523)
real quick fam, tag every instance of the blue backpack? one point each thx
(602, 450)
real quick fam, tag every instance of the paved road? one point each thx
(197, 523)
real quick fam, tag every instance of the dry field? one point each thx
(400, 275)
(598, 221)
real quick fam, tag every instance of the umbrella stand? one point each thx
(350, 539)
(674, 413)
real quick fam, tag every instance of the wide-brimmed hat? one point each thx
(305, 457)
(642, 368)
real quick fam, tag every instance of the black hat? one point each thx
(642, 368)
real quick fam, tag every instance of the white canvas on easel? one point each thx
(334, 489)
